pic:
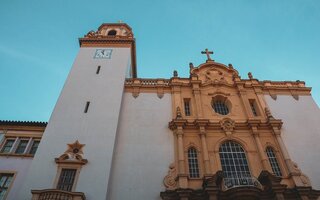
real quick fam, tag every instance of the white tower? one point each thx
(87, 111)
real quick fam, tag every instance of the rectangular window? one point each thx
(34, 147)
(253, 107)
(87, 107)
(66, 179)
(5, 182)
(21, 146)
(7, 146)
(187, 109)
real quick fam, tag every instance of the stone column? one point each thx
(263, 157)
(283, 148)
(181, 162)
(182, 175)
(245, 101)
(205, 154)
(197, 97)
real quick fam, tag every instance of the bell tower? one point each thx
(87, 112)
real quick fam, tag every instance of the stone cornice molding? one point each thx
(176, 123)
(271, 88)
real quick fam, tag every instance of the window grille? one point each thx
(66, 179)
(234, 165)
(193, 163)
(187, 107)
(5, 181)
(21, 146)
(273, 162)
(220, 107)
(7, 146)
(34, 147)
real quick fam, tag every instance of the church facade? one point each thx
(212, 135)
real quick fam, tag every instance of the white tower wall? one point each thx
(144, 148)
(300, 132)
(96, 128)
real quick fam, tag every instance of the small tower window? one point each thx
(87, 107)
(112, 32)
(273, 161)
(98, 69)
(253, 106)
(193, 163)
(187, 107)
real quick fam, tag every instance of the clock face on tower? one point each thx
(103, 54)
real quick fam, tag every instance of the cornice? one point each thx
(215, 125)
(22, 123)
(278, 87)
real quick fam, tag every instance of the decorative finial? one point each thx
(175, 73)
(120, 21)
(250, 75)
(230, 66)
(207, 52)
(191, 65)
(268, 113)
(179, 115)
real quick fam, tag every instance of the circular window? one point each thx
(221, 105)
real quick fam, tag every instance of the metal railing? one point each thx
(240, 181)
(54, 194)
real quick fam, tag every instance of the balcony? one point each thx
(240, 181)
(54, 194)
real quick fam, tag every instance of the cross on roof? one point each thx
(207, 52)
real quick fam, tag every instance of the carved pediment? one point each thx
(214, 73)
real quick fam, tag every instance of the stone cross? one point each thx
(207, 52)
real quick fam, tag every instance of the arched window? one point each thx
(234, 165)
(193, 163)
(112, 32)
(273, 161)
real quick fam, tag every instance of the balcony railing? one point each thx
(54, 194)
(240, 181)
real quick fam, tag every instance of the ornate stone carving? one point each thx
(73, 154)
(93, 34)
(169, 181)
(273, 96)
(175, 73)
(227, 125)
(295, 96)
(268, 113)
(214, 76)
(179, 115)
(296, 171)
(250, 75)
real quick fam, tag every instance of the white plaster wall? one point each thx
(18, 165)
(96, 129)
(300, 132)
(144, 148)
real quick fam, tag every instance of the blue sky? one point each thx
(275, 40)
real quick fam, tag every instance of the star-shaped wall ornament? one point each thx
(75, 148)
(73, 155)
